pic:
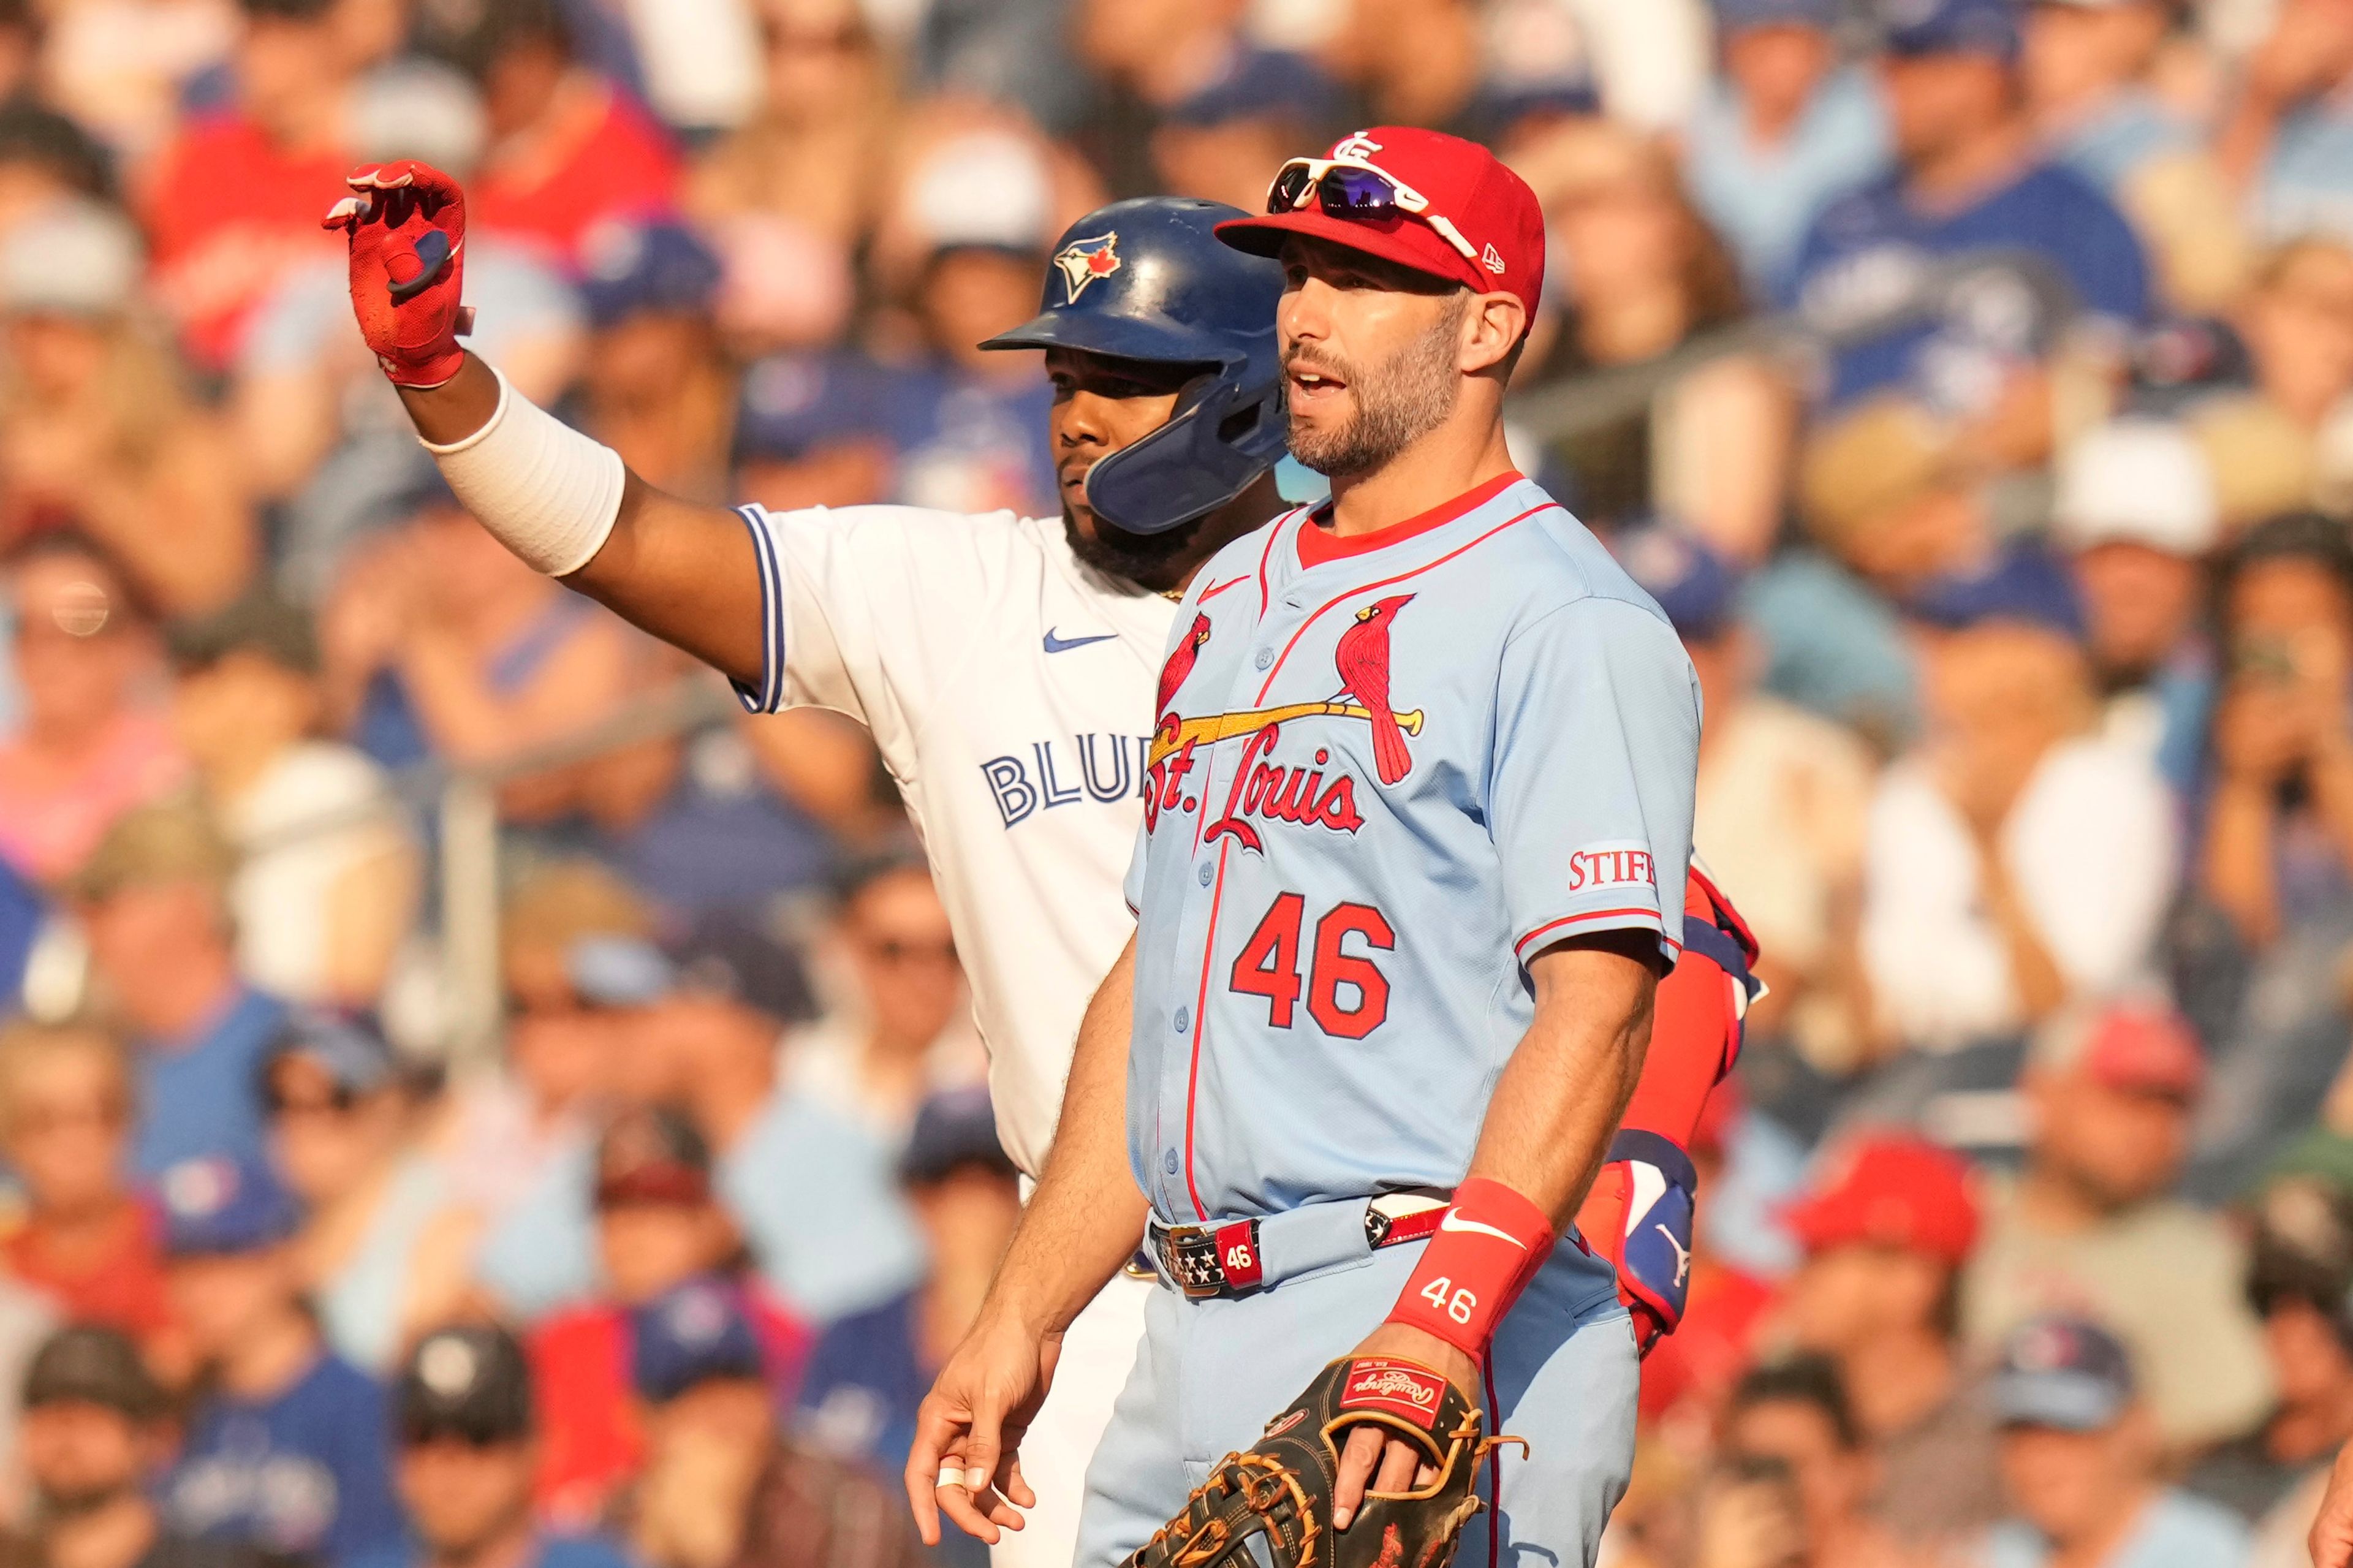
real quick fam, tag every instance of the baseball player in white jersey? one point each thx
(1414, 861)
(1005, 665)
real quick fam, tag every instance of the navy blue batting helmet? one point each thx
(1148, 279)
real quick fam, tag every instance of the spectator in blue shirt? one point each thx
(1968, 180)
(287, 1447)
(468, 1450)
(2087, 66)
(1782, 129)
(153, 899)
(2079, 1461)
(870, 1369)
(94, 1415)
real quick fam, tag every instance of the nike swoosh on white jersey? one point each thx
(1454, 1220)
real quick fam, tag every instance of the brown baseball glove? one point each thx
(1281, 1490)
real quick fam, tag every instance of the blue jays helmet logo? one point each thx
(1084, 260)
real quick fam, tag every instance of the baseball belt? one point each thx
(1208, 1262)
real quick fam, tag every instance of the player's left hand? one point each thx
(1372, 1462)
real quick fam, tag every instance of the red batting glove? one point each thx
(407, 227)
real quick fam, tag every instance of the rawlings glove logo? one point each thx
(1401, 1390)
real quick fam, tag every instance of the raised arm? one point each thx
(565, 504)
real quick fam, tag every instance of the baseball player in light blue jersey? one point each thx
(1417, 825)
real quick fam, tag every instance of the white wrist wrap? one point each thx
(544, 490)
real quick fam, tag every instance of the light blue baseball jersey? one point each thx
(1379, 784)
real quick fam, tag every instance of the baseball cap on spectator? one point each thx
(257, 622)
(1989, 28)
(89, 1363)
(1737, 15)
(793, 404)
(470, 1382)
(1889, 1189)
(2137, 481)
(728, 954)
(1258, 84)
(954, 1127)
(652, 1156)
(73, 257)
(1877, 457)
(1489, 207)
(348, 1048)
(2301, 1250)
(2065, 1373)
(641, 268)
(980, 190)
(1538, 62)
(2022, 585)
(217, 1204)
(170, 841)
(2137, 1045)
(695, 1332)
(1692, 584)
(551, 908)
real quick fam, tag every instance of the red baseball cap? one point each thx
(1464, 185)
(2137, 1046)
(1890, 1189)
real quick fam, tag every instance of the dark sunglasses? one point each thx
(1358, 192)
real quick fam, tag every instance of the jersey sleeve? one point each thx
(862, 607)
(1596, 753)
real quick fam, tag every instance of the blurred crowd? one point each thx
(1971, 382)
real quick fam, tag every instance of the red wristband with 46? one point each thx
(1488, 1247)
(406, 222)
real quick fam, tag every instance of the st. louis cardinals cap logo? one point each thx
(1083, 261)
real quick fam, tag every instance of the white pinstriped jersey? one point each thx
(1009, 688)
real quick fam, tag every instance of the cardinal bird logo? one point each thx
(1180, 663)
(1083, 261)
(1363, 659)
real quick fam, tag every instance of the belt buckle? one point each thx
(1189, 1255)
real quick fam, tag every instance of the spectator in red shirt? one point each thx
(86, 1241)
(568, 150)
(658, 1225)
(265, 169)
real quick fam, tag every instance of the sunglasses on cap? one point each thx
(1355, 191)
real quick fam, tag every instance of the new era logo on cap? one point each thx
(1492, 259)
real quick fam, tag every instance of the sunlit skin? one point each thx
(2139, 602)
(1777, 68)
(2109, 1147)
(68, 1125)
(466, 1501)
(2082, 1490)
(648, 1247)
(1832, 1479)
(1344, 312)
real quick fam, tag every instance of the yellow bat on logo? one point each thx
(1209, 731)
